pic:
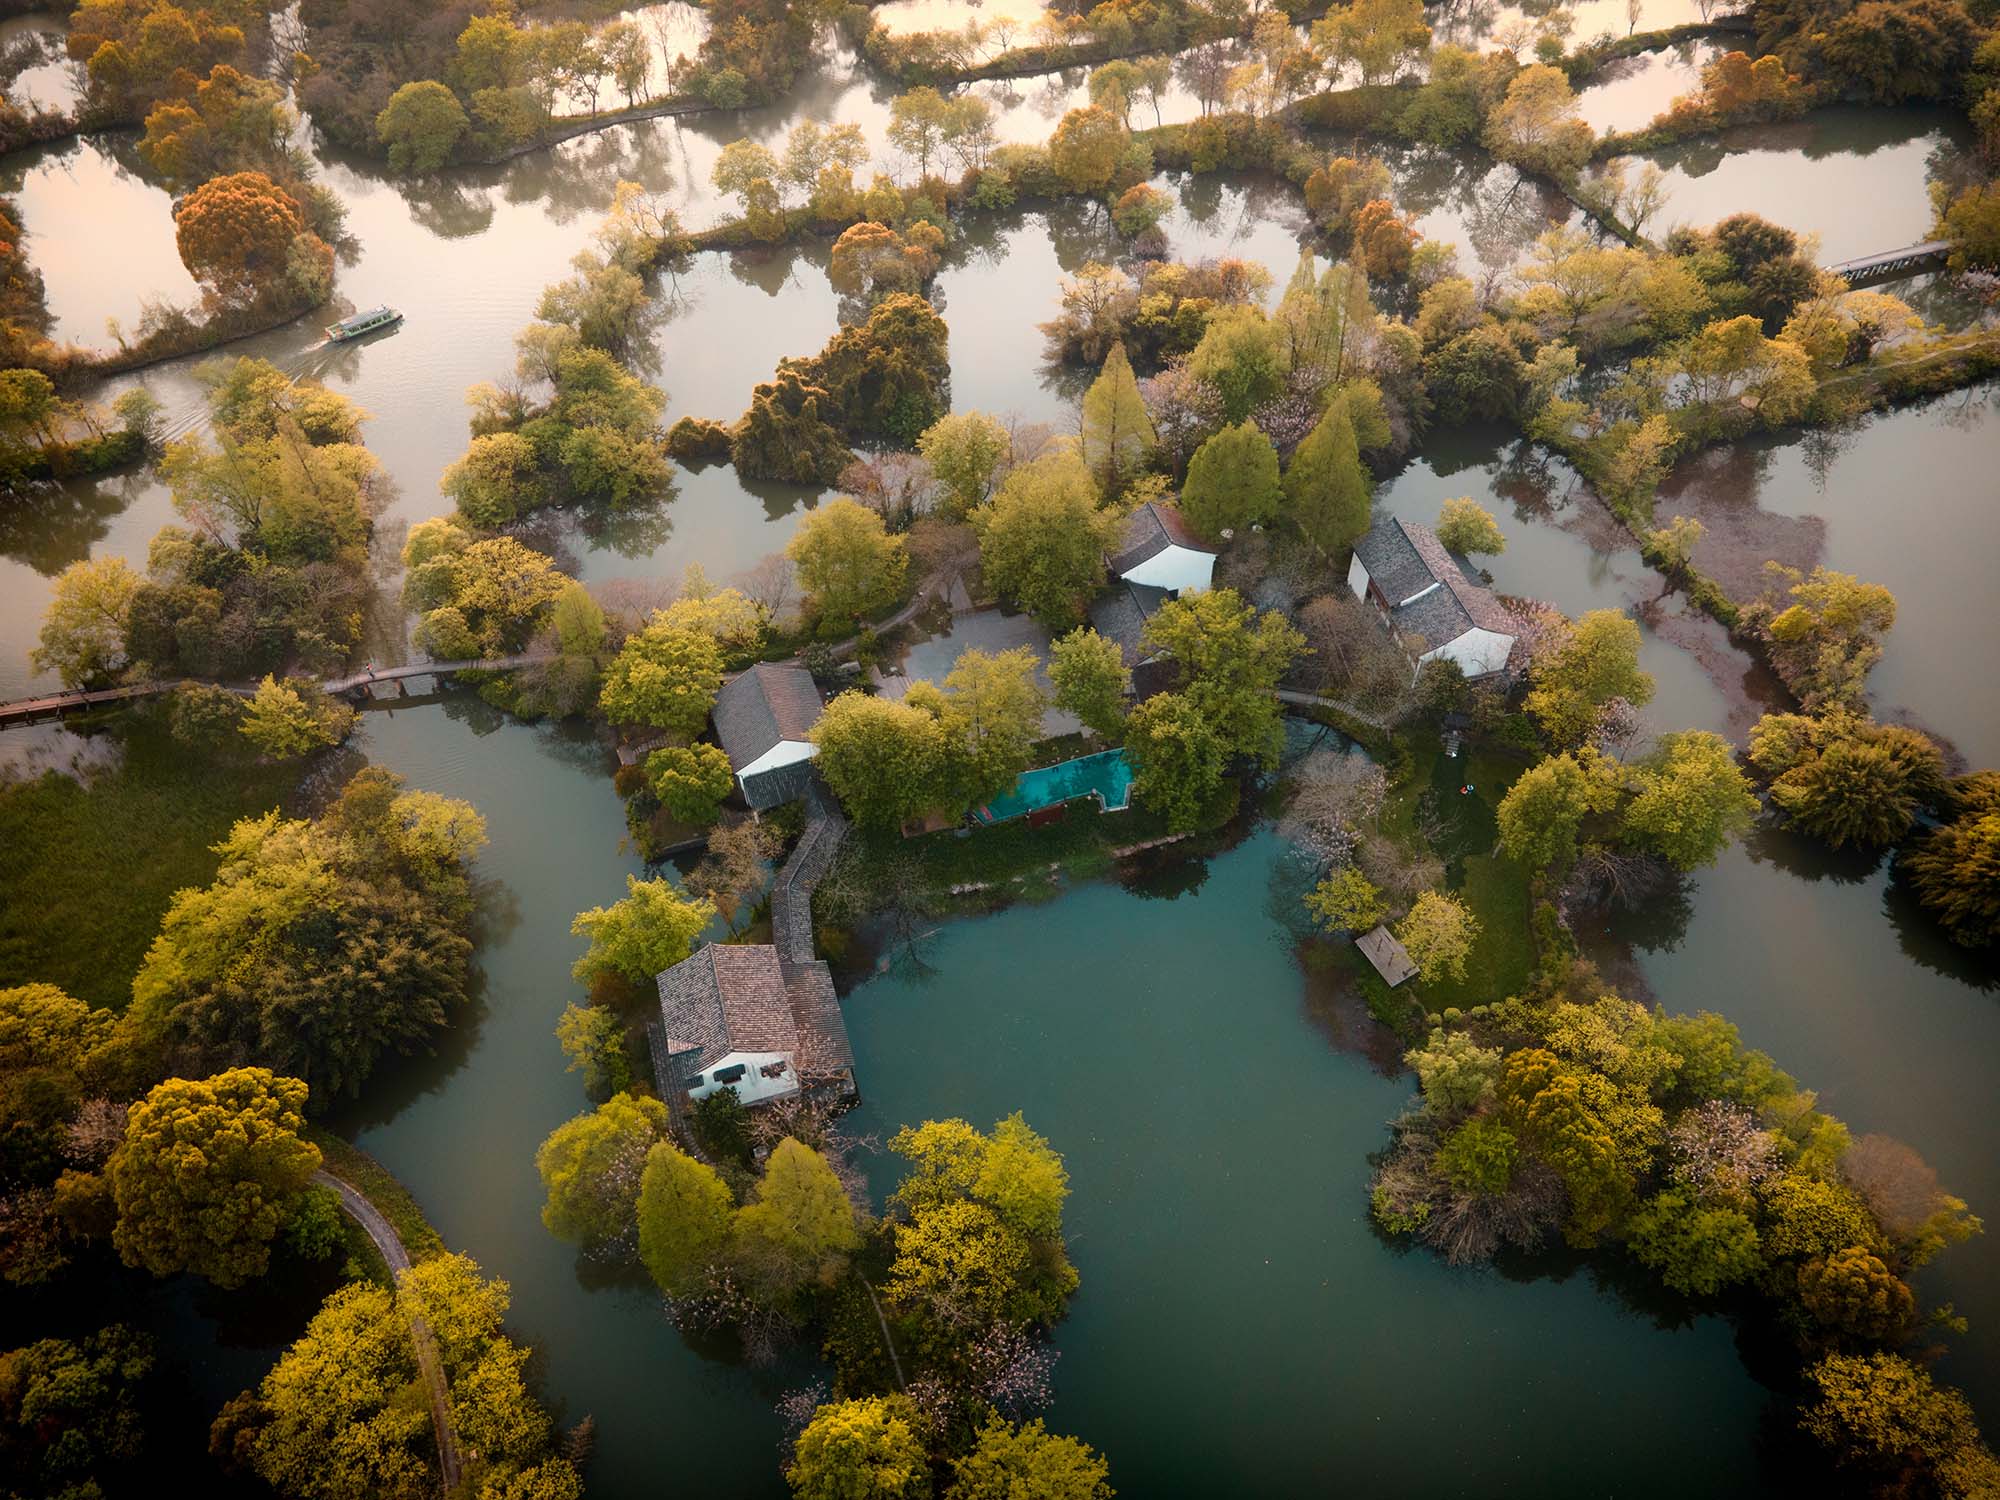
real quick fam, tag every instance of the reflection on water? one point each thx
(51, 80)
(1487, 26)
(1858, 178)
(1630, 93)
(1016, 18)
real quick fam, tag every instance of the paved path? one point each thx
(383, 1233)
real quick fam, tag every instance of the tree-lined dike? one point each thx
(1243, 1209)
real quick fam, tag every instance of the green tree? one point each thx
(917, 122)
(993, 714)
(1042, 538)
(885, 760)
(284, 721)
(208, 1173)
(593, 1039)
(1455, 1073)
(1010, 1463)
(642, 936)
(1177, 758)
(690, 781)
(476, 598)
(71, 1410)
(1853, 1292)
(965, 451)
(1091, 681)
(663, 677)
(1881, 1409)
(1692, 800)
(798, 1227)
(1326, 489)
(1543, 811)
(83, 634)
(1118, 435)
(591, 1167)
(1439, 933)
(685, 1213)
(420, 125)
(1464, 525)
(332, 1420)
(848, 563)
(1598, 661)
(1346, 901)
(1537, 126)
(1697, 1249)
(1230, 660)
(870, 1448)
(497, 480)
(1956, 868)
(1232, 481)
(1242, 356)
(1087, 148)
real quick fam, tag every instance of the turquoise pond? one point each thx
(1106, 775)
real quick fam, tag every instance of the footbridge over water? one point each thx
(1889, 264)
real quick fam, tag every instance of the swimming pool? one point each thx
(1106, 775)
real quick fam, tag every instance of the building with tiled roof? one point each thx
(1160, 550)
(1426, 598)
(737, 1015)
(763, 721)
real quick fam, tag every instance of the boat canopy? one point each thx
(364, 319)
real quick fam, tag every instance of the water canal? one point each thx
(1238, 1314)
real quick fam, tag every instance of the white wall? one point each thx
(1177, 569)
(1357, 577)
(784, 753)
(1477, 652)
(753, 1087)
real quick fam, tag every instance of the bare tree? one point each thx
(774, 583)
(1335, 796)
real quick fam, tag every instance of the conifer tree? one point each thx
(1117, 432)
(1232, 480)
(1326, 489)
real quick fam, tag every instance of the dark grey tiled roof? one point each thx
(758, 708)
(1478, 602)
(1152, 528)
(1438, 617)
(1393, 562)
(778, 785)
(1120, 614)
(726, 998)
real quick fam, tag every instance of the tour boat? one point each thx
(362, 322)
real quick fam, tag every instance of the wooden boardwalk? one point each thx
(56, 705)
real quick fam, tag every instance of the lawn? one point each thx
(87, 868)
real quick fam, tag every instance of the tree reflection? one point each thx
(1808, 858)
(1924, 942)
(48, 526)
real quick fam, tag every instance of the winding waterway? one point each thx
(1215, 1105)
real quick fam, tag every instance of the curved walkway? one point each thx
(383, 1233)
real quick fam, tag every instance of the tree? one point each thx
(477, 598)
(1007, 1463)
(1229, 659)
(1346, 901)
(208, 1172)
(284, 721)
(690, 781)
(1826, 638)
(497, 480)
(1956, 868)
(71, 1410)
(1326, 490)
(235, 234)
(883, 759)
(864, 1449)
(965, 451)
(798, 1227)
(1117, 433)
(1091, 681)
(1177, 759)
(593, 1040)
(917, 122)
(1881, 1409)
(1242, 356)
(1597, 661)
(663, 677)
(591, 1167)
(1464, 525)
(993, 714)
(848, 563)
(1537, 126)
(83, 634)
(684, 1219)
(1087, 148)
(1439, 933)
(1379, 37)
(421, 124)
(1232, 481)
(1697, 1249)
(1852, 1292)
(331, 1420)
(1042, 538)
(1543, 810)
(642, 936)
(1692, 800)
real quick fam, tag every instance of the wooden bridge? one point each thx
(1890, 264)
(57, 705)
